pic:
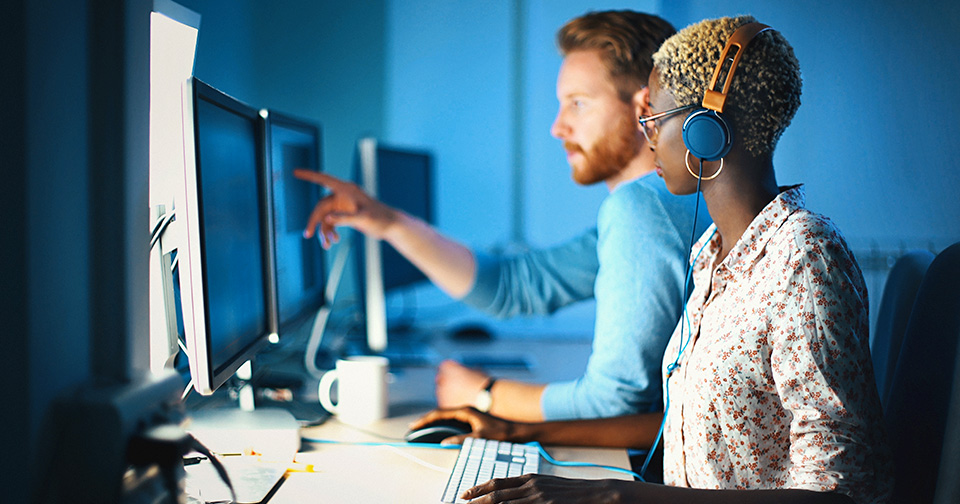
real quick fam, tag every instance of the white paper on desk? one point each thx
(252, 480)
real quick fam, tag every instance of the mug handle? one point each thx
(323, 390)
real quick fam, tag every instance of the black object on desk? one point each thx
(291, 391)
(471, 331)
(437, 431)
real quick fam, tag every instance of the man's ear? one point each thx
(641, 101)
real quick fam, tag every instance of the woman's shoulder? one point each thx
(813, 237)
(810, 229)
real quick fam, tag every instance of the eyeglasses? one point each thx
(650, 129)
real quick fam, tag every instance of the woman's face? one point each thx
(669, 147)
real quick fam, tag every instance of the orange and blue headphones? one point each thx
(706, 134)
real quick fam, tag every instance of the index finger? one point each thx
(318, 178)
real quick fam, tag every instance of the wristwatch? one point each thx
(484, 400)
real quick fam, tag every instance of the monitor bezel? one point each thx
(271, 118)
(209, 376)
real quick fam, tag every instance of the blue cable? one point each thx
(546, 456)
(543, 453)
(381, 443)
(686, 319)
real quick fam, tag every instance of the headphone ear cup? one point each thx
(706, 135)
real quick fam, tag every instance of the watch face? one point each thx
(483, 401)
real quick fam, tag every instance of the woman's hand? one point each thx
(538, 488)
(482, 425)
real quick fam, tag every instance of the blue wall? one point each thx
(448, 89)
(225, 45)
(323, 61)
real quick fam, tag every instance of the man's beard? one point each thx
(609, 156)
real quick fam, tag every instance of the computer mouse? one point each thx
(437, 431)
(471, 331)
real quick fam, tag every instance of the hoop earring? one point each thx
(686, 160)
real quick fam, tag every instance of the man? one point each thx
(632, 263)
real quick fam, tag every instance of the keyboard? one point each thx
(481, 460)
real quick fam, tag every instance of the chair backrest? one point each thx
(948, 484)
(919, 394)
(899, 294)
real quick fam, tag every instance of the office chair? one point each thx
(899, 293)
(948, 484)
(918, 399)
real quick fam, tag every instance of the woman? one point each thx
(769, 389)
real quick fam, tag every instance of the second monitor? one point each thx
(403, 179)
(293, 143)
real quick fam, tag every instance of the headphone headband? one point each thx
(713, 99)
(705, 132)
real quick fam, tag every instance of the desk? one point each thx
(351, 474)
(361, 473)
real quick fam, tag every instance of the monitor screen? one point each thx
(223, 262)
(403, 181)
(294, 143)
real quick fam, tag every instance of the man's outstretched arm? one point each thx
(447, 263)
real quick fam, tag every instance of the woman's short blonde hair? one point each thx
(764, 94)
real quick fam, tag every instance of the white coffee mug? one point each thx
(361, 389)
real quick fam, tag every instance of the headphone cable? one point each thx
(684, 318)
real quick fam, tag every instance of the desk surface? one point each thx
(351, 473)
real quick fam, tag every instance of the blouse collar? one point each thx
(760, 231)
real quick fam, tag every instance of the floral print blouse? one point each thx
(775, 388)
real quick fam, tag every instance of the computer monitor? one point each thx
(227, 301)
(293, 143)
(401, 178)
(173, 40)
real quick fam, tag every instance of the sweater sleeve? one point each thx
(538, 282)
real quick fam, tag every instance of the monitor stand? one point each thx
(237, 427)
(272, 433)
(406, 347)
